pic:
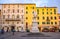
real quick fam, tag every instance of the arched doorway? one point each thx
(19, 28)
(6, 29)
(12, 28)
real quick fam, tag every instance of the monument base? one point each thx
(35, 29)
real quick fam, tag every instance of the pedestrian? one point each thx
(7, 29)
(2, 31)
(17, 29)
(59, 30)
(13, 31)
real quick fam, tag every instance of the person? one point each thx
(59, 30)
(7, 29)
(18, 29)
(2, 31)
(13, 31)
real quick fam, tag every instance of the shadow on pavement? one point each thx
(35, 35)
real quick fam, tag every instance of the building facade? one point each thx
(17, 16)
(28, 15)
(59, 19)
(12, 16)
(0, 20)
(47, 17)
(20, 16)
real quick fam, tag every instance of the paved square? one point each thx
(25, 35)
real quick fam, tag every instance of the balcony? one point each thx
(11, 19)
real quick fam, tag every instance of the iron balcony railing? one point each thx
(13, 19)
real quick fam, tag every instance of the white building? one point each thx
(12, 16)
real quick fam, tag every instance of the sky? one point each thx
(39, 3)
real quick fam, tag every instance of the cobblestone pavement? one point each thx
(25, 35)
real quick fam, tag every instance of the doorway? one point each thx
(12, 28)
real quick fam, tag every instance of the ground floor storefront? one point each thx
(48, 28)
(8, 28)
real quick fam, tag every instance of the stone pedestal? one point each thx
(35, 28)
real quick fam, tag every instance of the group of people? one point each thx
(12, 30)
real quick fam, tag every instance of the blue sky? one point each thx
(41, 3)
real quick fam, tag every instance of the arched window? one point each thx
(13, 16)
(17, 16)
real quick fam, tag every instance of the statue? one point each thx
(34, 24)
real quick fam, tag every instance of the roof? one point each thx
(19, 3)
(58, 13)
(46, 7)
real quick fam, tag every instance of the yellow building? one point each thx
(28, 15)
(59, 20)
(47, 17)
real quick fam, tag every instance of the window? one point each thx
(17, 16)
(55, 18)
(3, 22)
(4, 11)
(47, 9)
(43, 22)
(18, 10)
(47, 18)
(4, 6)
(22, 22)
(13, 10)
(37, 11)
(22, 11)
(8, 16)
(32, 7)
(3, 16)
(12, 22)
(26, 12)
(9, 6)
(51, 22)
(42, 12)
(38, 22)
(26, 17)
(51, 9)
(26, 24)
(17, 22)
(13, 16)
(50, 12)
(51, 17)
(22, 16)
(18, 5)
(42, 9)
(13, 5)
(48, 22)
(55, 22)
(54, 11)
(43, 18)
(26, 7)
(7, 22)
(47, 12)
(8, 10)
(38, 18)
